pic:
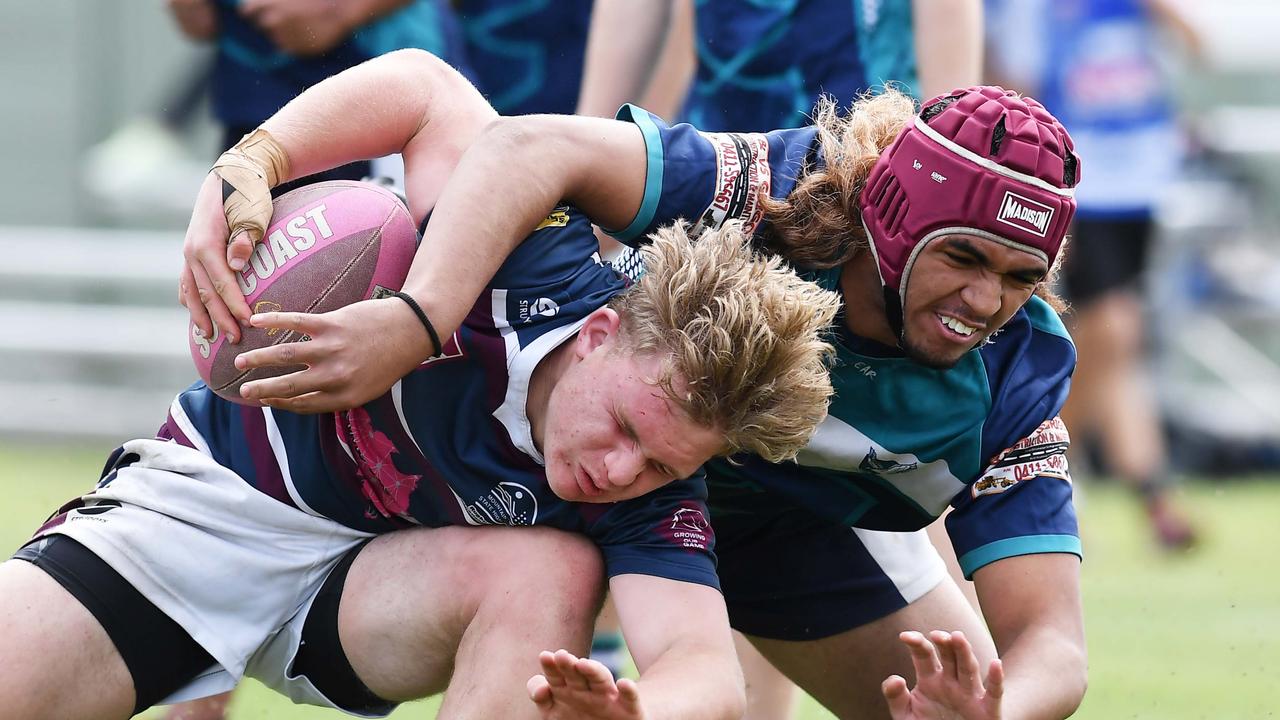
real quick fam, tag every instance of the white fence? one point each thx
(93, 342)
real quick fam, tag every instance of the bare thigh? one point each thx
(844, 671)
(467, 608)
(58, 661)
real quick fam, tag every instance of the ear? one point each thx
(599, 329)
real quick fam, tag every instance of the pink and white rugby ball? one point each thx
(329, 244)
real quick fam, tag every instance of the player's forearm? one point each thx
(510, 178)
(494, 198)
(622, 48)
(367, 111)
(1045, 676)
(948, 42)
(691, 684)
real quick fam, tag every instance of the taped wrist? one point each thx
(248, 171)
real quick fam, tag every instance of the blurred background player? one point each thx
(526, 55)
(1094, 64)
(762, 66)
(268, 51)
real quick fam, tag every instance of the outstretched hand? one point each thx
(948, 683)
(574, 687)
(354, 354)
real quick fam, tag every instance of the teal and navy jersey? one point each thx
(763, 64)
(253, 78)
(450, 444)
(527, 55)
(902, 441)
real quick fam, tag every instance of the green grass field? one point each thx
(1173, 638)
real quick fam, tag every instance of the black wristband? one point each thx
(422, 316)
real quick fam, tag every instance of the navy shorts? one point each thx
(788, 574)
(1106, 254)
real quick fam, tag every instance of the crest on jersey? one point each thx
(508, 504)
(689, 528)
(555, 219)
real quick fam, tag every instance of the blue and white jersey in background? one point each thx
(902, 441)
(763, 63)
(1093, 64)
(450, 444)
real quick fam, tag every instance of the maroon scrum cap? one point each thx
(982, 161)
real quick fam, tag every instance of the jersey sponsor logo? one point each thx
(91, 510)
(508, 504)
(280, 247)
(877, 466)
(742, 176)
(1025, 214)
(1043, 453)
(527, 310)
(555, 219)
(689, 528)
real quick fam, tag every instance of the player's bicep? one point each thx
(603, 162)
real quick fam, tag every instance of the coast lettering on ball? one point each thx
(328, 245)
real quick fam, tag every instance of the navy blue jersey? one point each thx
(902, 441)
(527, 55)
(763, 64)
(450, 444)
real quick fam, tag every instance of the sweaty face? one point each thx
(611, 434)
(961, 290)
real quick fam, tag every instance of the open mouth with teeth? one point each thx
(956, 326)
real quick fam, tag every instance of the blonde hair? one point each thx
(745, 334)
(819, 224)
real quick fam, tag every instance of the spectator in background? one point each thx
(268, 51)
(1093, 64)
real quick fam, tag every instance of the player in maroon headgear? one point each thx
(939, 229)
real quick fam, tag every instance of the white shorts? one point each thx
(237, 569)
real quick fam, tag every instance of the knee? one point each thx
(564, 570)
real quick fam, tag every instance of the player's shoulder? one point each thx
(559, 246)
(1028, 366)
(1033, 346)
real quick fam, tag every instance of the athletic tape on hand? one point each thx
(248, 172)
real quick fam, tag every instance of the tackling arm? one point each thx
(1033, 609)
(678, 634)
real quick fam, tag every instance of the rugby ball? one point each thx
(328, 245)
